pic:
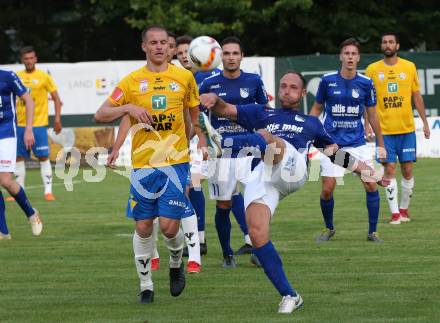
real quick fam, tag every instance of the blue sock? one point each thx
(373, 204)
(24, 203)
(327, 212)
(239, 212)
(197, 199)
(273, 267)
(3, 225)
(223, 226)
(237, 143)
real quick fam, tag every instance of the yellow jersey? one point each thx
(164, 95)
(38, 84)
(394, 85)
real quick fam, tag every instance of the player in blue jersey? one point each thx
(235, 87)
(345, 95)
(10, 88)
(284, 136)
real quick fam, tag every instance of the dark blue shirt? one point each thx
(344, 105)
(10, 88)
(248, 88)
(298, 129)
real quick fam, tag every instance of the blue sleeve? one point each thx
(322, 138)
(250, 116)
(322, 91)
(203, 88)
(16, 85)
(371, 95)
(261, 93)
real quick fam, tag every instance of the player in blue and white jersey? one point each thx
(284, 136)
(10, 88)
(345, 96)
(235, 87)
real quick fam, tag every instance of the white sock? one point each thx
(407, 190)
(247, 239)
(391, 194)
(175, 246)
(143, 250)
(189, 226)
(202, 236)
(154, 236)
(46, 175)
(20, 172)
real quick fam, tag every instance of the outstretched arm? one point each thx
(219, 107)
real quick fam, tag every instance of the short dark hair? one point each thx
(391, 33)
(152, 27)
(185, 39)
(303, 79)
(350, 41)
(232, 40)
(27, 50)
(171, 34)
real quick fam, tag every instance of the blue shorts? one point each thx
(41, 146)
(158, 192)
(400, 146)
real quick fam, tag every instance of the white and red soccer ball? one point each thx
(205, 53)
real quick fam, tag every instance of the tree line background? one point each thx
(88, 30)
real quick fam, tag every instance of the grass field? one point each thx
(81, 269)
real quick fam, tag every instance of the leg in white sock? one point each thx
(143, 251)
(154, 236)
(202, 236)
(247, 239)
(407, 190)
(46, 175)
(189, 226)
(175, 246)
(20, 172)
(391, 194)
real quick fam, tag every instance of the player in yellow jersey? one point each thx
(39, 84)
(396, 83)
(156, 97)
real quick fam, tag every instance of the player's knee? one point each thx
(169, 231)
(143, 229)
(327, 193)
(370, 186)
(224, 204)
(390, 170)
(5, 180)
(266, 135)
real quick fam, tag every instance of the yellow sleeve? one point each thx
(50, 84)
(415, 86)
(121, 93)
(369, 71)
(192, 94)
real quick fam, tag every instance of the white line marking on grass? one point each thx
(124, 235)
(33, 187)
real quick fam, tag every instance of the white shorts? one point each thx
(268, 185)
(197, 164)
(329, 169)
(8, 155)
(224, 176)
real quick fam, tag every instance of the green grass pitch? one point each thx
(81, 269)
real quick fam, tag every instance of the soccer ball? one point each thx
(205, 53)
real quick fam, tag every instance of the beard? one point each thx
(389, 53)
